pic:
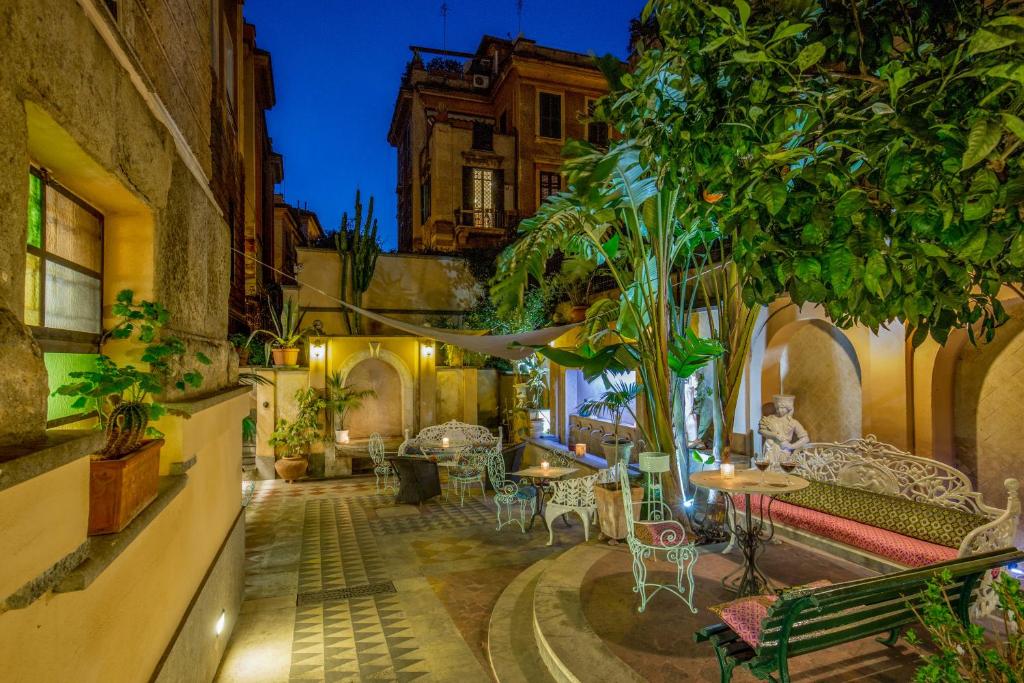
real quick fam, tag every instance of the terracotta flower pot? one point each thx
(286, 357)
(120, 489)
(577, 314)
(243, 357)
(291, 469)
(617, 451)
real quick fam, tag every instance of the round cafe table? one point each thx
(753, 533)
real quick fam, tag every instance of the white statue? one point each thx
(783, 435)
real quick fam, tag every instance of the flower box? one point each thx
(120, 489)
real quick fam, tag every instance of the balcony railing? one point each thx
(487, 218)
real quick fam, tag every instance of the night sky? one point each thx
(337, 65)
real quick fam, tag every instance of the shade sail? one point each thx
(500, 345)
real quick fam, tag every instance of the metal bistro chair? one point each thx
(468, 470)
(572, 495)
(646, 539)
(381, 467)
(508, 493)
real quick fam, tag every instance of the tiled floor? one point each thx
(343, 585)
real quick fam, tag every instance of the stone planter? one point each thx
(617, 451)
(120, 489)
(286, 357)
(291, 469)
(341, 436)
(610, 512)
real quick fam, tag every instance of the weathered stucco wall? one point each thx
(409, 287)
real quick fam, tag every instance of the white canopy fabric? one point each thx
(500, 345)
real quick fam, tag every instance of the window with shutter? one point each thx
(549, 115)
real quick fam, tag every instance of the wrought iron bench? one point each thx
(762, 632)
(888, 509)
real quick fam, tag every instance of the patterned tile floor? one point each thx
(344, 585)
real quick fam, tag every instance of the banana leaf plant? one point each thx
(618, 214)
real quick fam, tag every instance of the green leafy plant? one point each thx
(533, 373)
(358, 249)
(296, 436)
(342, 398)
(964, 654)
(617, 399)
(288, 332)
(248, 429)
(124, 396)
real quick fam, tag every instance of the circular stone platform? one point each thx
(586, 626)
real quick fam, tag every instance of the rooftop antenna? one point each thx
(519, 15)
(444, 25)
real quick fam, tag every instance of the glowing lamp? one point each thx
(445, 443)
(728, 470)
(317, 348)
(545, 464)
(581, 450)
(428, 350)
(218, 628)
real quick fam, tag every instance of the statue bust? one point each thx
(783, 435)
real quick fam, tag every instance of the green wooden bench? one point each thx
(807, 620)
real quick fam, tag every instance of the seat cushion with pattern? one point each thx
(745, 616)
(659, 534)
(922, 520)
(906, 550)
(526, 493)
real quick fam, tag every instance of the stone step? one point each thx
(511, 647)
(568, 646)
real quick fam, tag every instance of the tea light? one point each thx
(581, 450)
(444, 442)
(544, 465)
(728, 470)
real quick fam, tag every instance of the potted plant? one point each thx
(575, 280)
(287, 334)
(530, 391)
(617, 399)
(294, 437)
(342, 398)
(124, 476)
(241, 345)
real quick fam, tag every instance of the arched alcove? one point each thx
(816, 363)
(391, 411)
(988, 383)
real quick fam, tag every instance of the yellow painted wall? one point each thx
(117, 629)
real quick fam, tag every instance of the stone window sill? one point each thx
(103, 550)
(21, 462)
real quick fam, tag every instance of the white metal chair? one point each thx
(647, 539)
(572, 495)
(508, 493)
(381, 467)
(468, 469)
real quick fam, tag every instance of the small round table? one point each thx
(753, 534)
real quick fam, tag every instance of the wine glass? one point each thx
(762, 464)
(788, 466)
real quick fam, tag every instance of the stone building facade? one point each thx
(134, 156)
(479, 137)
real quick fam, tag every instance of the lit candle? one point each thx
(581, 450)
(444, 442)
(544, 465)
(728, 470)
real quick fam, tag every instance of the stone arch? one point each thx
(405, 379)
(988, 381)
(817, 363)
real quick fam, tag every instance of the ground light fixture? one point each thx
(218, 628)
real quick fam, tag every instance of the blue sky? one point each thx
(337, 65)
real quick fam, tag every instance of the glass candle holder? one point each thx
(581, 450)
(544, 465)
(445, 442)
(728, 470)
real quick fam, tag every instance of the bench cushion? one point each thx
(906, 550)
(924, 521)
(746, 615)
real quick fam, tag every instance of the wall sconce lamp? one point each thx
(428, 350)
(374, 349)
(317, 348)
(218, 628)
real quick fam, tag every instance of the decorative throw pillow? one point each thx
(745, 615)
(924, 521)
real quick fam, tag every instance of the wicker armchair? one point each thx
(647, 539)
